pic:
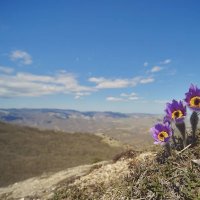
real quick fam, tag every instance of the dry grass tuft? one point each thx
(130, 153)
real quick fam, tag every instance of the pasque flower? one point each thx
(176, 111)
(167, 120)
(193, 98)
(161, 133)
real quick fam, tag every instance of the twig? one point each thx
(184, 149)
(173, 177)
(151, 197)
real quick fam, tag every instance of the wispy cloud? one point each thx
(165, 62)
(22, 56)
(146, 64)
(133, 94)
(116, 99)
(156, 69)
(26, 84)
(78, 95)
(133, 98)
(103, 83)
(147, 80)
(124, 97)
(6, 70)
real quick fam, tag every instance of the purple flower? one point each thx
(161, 133)
(193, 98)
(167, 120)
(176, 111)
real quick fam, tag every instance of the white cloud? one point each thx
(156, 69)
(96, 79)
(118, 83)
(22, 56)
(147, 80)
(146, 64)
(116, 99)
(78, 95)
(6, 70)
(124, 97)
(26, 84)
(103, 83)
(133, 94)
(133, 98)
(165, 62)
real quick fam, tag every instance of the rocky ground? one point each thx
(48, 185)
(43, 187)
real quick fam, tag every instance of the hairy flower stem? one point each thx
(168, 149)
(173, 138)
(182, 129)
(194, 119)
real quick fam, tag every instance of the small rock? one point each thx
(196, 162)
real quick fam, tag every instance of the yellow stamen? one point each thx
(162, 135)
(177, 114)
(195, 102)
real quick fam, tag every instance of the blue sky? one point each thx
(108, 55)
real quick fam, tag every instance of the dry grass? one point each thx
(130, 153)
(28, 152)
(176, 179)
(141, 177)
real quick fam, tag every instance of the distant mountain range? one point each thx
(118, 125)
(18, 114)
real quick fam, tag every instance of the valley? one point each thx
(132, 129)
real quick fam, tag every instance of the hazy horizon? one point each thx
(40, 108)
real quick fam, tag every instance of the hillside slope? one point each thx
(28, 152)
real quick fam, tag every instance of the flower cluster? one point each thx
(176, 112)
